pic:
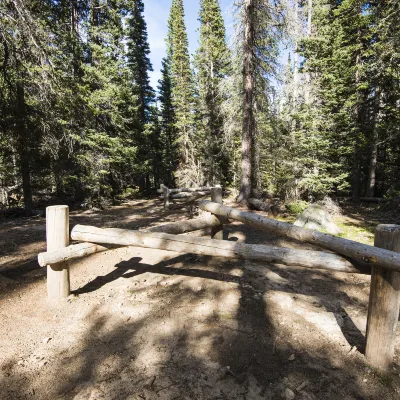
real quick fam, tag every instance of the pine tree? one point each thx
(261, 31)
(138, 60)
(26, 90)
(169, 138)
(212, 63)
(140, 66)
(334, 56)
(107, 149)
(182, 89)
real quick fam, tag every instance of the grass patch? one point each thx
(358, 231)
(363, 233)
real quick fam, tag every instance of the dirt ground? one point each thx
(148, 324)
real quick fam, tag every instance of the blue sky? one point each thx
(156, 14)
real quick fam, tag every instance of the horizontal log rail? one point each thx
(72, 252)
(80, 250)
(359, 252)
(187, 190)
(203, 222)
(218, 248)
(186, 195)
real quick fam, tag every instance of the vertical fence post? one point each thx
(217, 232)
(384, 301)
(57, 237)
(166, 197)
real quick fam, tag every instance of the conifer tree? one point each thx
(212, 64)
(182, 88)
(334, 57)
(260, 32)
(106, 145)
(139, 65)
(138, 60)
(169, 138)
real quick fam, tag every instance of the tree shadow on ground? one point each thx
(211, 328)
(203, 331)
(22, 239)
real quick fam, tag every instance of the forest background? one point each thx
(80, 120)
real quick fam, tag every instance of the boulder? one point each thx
(316, 217)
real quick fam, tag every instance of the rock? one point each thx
(316, 217)
(292, 357)
(289, 394)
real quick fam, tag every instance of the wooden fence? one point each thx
(189, 195)
(383, 259)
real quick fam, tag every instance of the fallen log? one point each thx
(80, 250)
(359, 252)
(374, 199)
(218, 248)
(206, 221)
(180, 190)
(188, 195)
(256, 204)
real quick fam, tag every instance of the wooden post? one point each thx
(217, 232)
(384, 301)
(57, 237)
(166, 197)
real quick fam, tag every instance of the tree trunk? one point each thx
(297, 38)
(24, 146)
(248, 127)
(75, 36)
(356, 174)
(307, 89)
(374, 149)
(357, 149)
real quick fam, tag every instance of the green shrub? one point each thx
(296, 207)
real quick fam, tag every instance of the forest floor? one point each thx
(149, 324)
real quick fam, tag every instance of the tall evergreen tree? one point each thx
(334, 57)
(182, 89)
(107, 148)
(169, 138)
(212, 64)
(260, 32)
(140, 66)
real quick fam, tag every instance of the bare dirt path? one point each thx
(147, 324)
